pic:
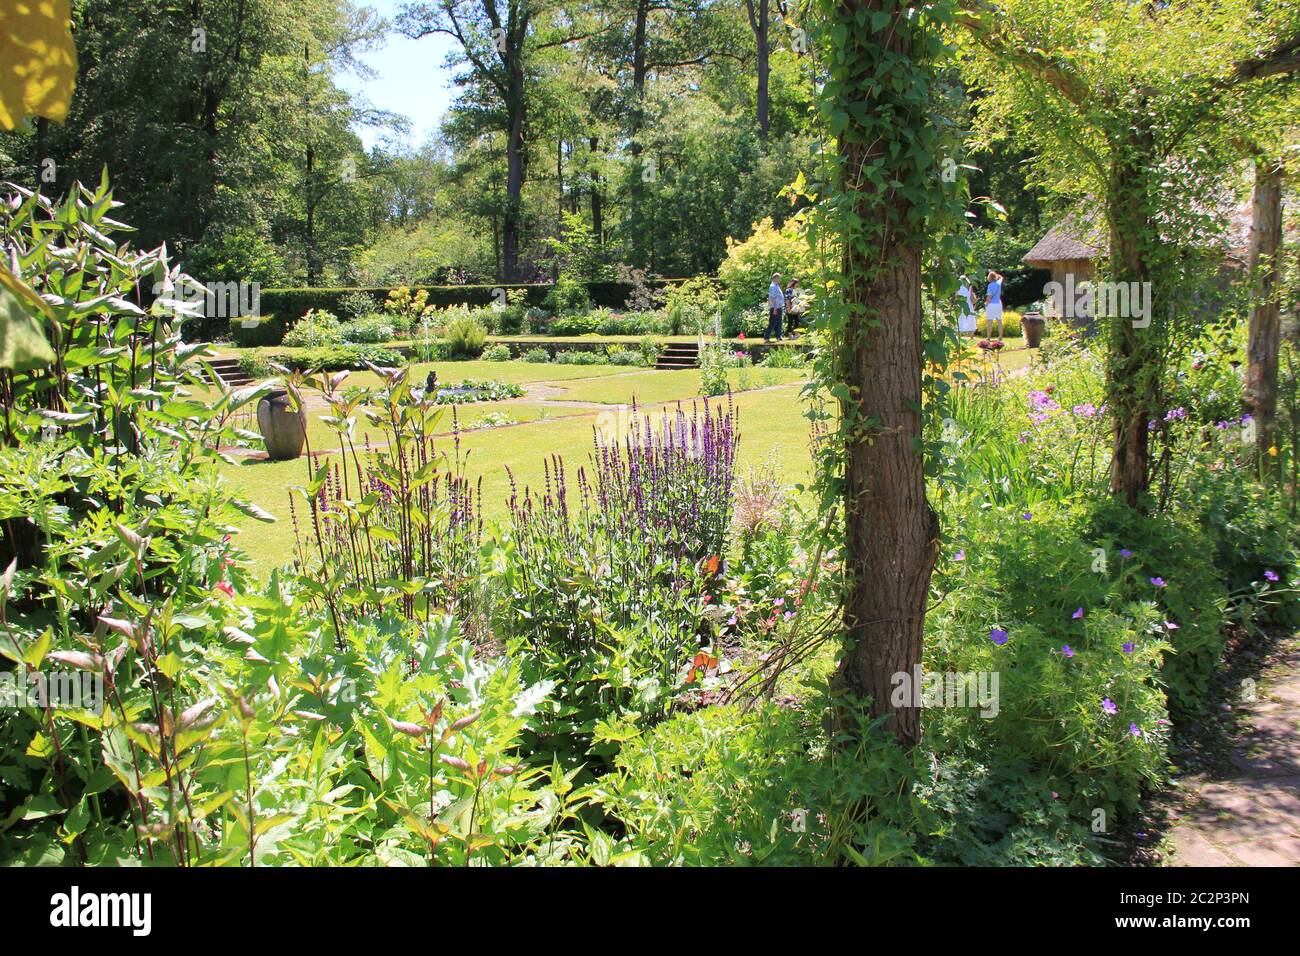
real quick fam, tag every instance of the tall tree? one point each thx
(885, 192)
(499, 45)
(1132, 108)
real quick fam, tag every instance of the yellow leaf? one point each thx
(38, 60)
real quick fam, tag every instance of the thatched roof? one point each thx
(1080, 235)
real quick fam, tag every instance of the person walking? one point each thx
(775, 306)
(993, 305)
(966, 321)
(793, 307)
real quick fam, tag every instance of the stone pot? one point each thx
(1033, 324)
(283, 429)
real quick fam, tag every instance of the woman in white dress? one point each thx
(966, 321)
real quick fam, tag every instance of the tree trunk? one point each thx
(511, 225)
(1265, 314)
(597, 213)
(1135, 362)
(764, 68)
(309, 240)
(891, 533)
(758, 23)
(639, 71)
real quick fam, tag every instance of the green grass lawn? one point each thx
(771, 426)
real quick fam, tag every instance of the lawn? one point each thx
(557, 420)
(771, 423)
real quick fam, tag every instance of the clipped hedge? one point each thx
(250, 333)
(1019, 286)
(295, 303)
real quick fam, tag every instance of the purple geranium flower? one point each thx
(1027, 516)
(1128, 647)
(960, 555)
(1077, 614)
(998, 636)
(1271, 575)
(1170, 626)
(1067, 650)
(1135, 730)
(1125, 553)
(1108, 706)
(1158, 581)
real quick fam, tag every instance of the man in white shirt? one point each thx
(775, 306)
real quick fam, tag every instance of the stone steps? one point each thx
(678, 356)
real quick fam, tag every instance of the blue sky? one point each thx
(410, 79)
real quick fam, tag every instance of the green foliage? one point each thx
(747, 270)
(368, 330)
(537, 356)
(314, 330)
(249, 332)
(569, 300)
(580, 357)
(499, 352)
(465, 337)
(691, 307)
(333, 358)
(761, 787)
(785, 358)
(512, 315)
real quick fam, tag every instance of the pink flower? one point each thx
(225, 589)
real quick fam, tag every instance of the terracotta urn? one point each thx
(284, 429)
(1033, 324)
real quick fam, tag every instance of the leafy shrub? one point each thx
(512, 315)
(691, 307)
(746, 271)
(568, 296)
(1010, 324)
(1078, 652)
(579, 357)
(499, 352)
(751, 322)
(368, 330)
(604, 597)
(255, 366)
(785, 358)
(334, 358)
(574, 323)
(537, 356)
(617, 356)
(763, 786)
(715, 359)
(358, 304)
(466, 337)
(649, 348)
(315, 329)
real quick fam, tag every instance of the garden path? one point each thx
(1252, 818)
